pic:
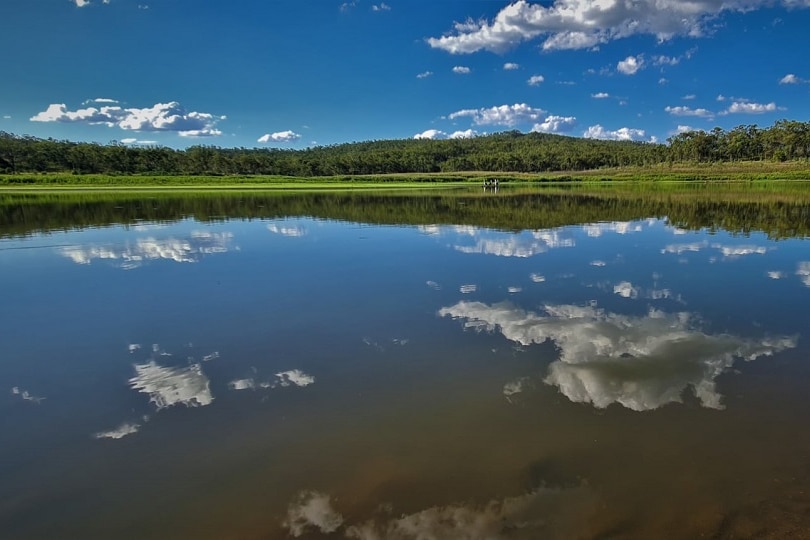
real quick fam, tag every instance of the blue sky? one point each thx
(296, 73)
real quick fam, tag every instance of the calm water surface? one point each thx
(309, 377)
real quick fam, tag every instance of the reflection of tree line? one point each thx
(778, 215)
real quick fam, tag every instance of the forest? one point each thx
(511, 151)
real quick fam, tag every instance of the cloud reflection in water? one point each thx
(168, 386)
(181, 250)
(641, 363)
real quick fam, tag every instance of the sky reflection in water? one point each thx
(390, 350)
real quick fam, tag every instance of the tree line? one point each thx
(509, 151)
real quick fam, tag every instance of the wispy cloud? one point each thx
(424, 75)
(381, 7)
(600, 95)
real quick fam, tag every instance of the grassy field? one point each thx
(719, 172)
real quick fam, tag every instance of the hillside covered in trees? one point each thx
(502, 152)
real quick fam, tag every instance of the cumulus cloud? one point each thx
(509, 66)
(641, 363)
(582, 24)
(630, 65)
(279, 136)
(461, 70)
(621, 134)
(688, 111)
(503, 115)
(167, 117)
(535, 80)
(556, 124)
(748, 107)
(82, 3)
(600, 95)
(790, 78)
(169, 386)
(424, 75)
(381, 7)
(438, 134)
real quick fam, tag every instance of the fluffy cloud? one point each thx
(621, 134)
(688, 111)
(556, 124)
(578, 24)
(424, 75)
(523, 245)
(630, 65)
(503, 115)
(381, 7)
(600, 95)
(438, 134)
(639, 362)
(461, 70)
(747, 107)
(279, 136)
(509, 66)
(535, 80)
(82, 3)
(790, 78)
(170, 117)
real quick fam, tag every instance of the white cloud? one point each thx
(630, 65)
(431, 134)
(381, 7)
(776, 274)
(295, 377)
(625, 289)
(739, 251)
(556, 124)
(346, 6)
(595, 230)
(82, 3)
(579, 24)
(312, 510)
(621, 134)
(424, 75)
(133, 140)
(99, 100)
(523, 245)
(600, 95)
(790, 78)
(461, 70)
(169, 386)
(747, 107)
(639, 362)
(689, 97)
(535, 80)
(688, 111)
(170, 117)
(509, 66)
(537, 278)
(682, 248)
(503, 115)
(279, 136)
(721, 97)
(682, 129)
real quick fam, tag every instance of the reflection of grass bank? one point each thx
(778, 209)
(709, 173)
